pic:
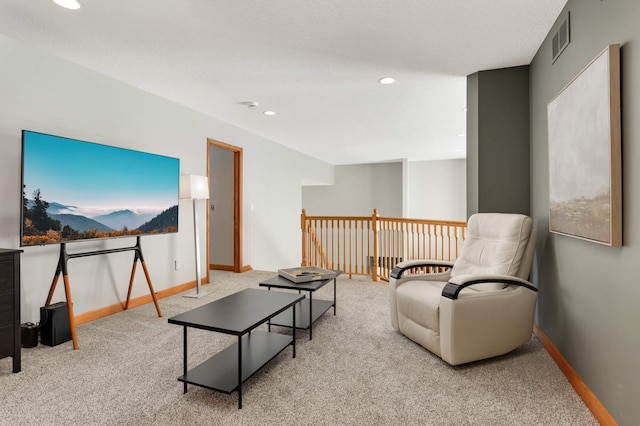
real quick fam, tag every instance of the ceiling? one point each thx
(315, 63)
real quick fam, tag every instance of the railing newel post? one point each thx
(374, 228)
(303, 226)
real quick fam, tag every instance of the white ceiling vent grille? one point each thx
(560, 39)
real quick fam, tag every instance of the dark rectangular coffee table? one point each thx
(309, 309)
(238, 314)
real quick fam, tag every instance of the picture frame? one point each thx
(585, 160)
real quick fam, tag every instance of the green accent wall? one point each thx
(589, 299)
(498, 141)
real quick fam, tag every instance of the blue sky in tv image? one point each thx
(92, 180)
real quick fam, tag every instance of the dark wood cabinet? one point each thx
(10, 306)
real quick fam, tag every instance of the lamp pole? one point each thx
(197, 243)
(195, 187)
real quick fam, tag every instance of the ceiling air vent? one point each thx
(560, 39)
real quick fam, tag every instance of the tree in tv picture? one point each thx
(41, 227)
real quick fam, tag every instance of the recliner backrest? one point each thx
(496, 244)
(527, 260)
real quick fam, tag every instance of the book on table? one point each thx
(306, 274)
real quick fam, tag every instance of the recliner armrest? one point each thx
(452, 289)
(401, 267)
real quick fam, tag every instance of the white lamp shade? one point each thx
(194, 187)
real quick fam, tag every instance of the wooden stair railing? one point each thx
(323, 262)
(373, 245)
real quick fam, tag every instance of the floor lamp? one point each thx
(195, 188)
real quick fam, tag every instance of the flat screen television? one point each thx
(75, 190)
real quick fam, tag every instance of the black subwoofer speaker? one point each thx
(29, 335)
(54, 324)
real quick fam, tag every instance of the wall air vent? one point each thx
(560, 39)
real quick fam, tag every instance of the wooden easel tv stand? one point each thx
(61, 269)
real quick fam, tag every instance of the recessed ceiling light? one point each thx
(269, 113)
(460, 135)
(68, 4)
(387, 80)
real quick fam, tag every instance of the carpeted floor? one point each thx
(357, 370)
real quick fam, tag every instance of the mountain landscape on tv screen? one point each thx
(124, 219)
(53, 222)
(80, 223)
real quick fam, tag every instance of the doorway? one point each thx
(224, 215)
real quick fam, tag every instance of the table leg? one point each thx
(334, 296)
(294, 330)
(310, 315)
(269, 322)
(239, 372)
(184, 349)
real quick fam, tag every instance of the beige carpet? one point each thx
(357, 370)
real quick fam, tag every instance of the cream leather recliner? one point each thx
(482, 305)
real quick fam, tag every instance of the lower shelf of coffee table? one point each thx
(220, 372)
(302, 314)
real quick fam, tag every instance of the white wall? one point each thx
(414, 189)
(356, 191)
(437, 190)
(50, 95)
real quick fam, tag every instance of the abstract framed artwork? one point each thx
(585, 177)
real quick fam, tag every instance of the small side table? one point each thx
(309, 309)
